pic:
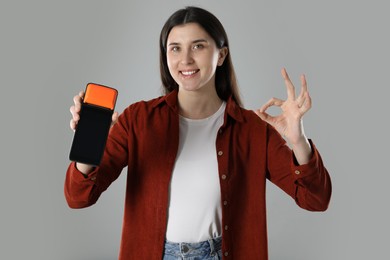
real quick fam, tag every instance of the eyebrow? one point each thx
(195, 41)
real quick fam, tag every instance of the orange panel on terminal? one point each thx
(100, 95)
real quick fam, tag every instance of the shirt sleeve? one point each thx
(309, 184)
(80, 189)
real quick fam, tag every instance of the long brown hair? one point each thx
(225, 78)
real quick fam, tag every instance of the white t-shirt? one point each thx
(195, 212)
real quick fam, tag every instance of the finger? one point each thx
(307, 104)
(75, 110)
(77, 103)
(75, 113)
(263, 115)
(304, 86)
(272, 102)
(115, 116)
(301, 101)
(289, 85)
(73, 125)
(81, 94)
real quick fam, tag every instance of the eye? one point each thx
(198, 47)
(175, 48)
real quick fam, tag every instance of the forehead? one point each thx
(187, 32)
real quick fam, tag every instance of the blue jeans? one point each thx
(206, 250)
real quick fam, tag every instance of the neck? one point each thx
(195, 105)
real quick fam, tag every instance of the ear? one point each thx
(222, 55)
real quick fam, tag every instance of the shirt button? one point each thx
(226, 227)
(220, 131)
(223, 177)
(220, 153)
(226, 253)
(297, 172)
(93, 178)
(225, 202)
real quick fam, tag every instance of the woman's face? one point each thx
(193, 57)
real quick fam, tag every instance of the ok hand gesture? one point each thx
(289, 122)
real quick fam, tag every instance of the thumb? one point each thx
(115, 116)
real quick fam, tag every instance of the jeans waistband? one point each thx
(208, 247)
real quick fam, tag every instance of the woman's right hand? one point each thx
(75, 111)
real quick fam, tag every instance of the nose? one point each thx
(187, 57)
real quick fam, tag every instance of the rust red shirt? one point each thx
(249, 151)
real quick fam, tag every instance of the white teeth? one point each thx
(188, 73)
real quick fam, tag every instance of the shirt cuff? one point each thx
(78, 176)
(308, 169)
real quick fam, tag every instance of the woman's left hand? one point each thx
(289, 122)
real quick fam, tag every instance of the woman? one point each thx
(197, 161)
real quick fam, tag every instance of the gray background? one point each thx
(49, 50)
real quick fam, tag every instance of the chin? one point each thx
(189, 87)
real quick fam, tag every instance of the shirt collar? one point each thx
(232, 109)
(170, 99)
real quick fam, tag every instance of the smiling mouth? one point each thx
(188, 73)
